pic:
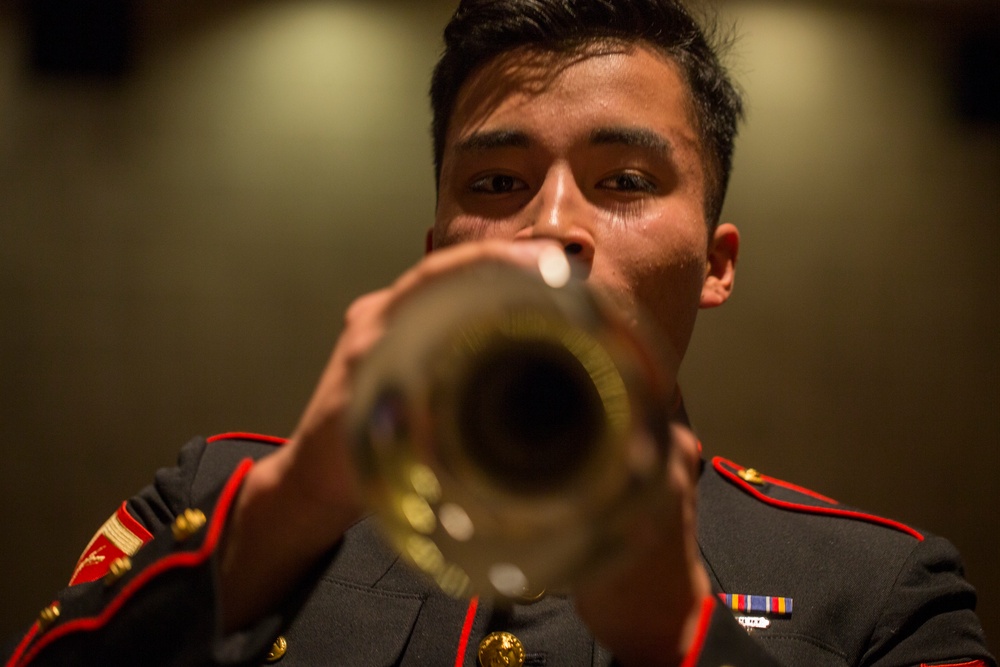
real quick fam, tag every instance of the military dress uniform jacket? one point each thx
(799, 580)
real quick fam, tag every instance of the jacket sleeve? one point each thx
(158, 606)
(930, 616)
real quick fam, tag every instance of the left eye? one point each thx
(497, 184)
(627, 182)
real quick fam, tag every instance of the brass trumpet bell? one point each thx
(505, 428)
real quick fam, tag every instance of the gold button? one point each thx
(187, 524)
(48, 616)
(117, 569)
(278, 649)
(752, 476)
(501, 649)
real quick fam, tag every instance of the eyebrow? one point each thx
(636, 137)
(494, 139)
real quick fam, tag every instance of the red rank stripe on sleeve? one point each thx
(121, 535)
(26, 651)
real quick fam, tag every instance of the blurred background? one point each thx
(192, 192)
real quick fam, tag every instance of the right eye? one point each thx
(496, 184)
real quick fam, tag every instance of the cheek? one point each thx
(663, 273)
(672, 288)
(670, 303)
(662, 255)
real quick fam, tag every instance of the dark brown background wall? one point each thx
(177, 247)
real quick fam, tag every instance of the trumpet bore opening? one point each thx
(529, 415)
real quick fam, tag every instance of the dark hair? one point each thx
(481, 30)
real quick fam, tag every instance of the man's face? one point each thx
(596, 151)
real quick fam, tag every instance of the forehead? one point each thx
(560, 93)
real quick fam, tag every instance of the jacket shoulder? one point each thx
(203, 465)
(781, 495)
(859, 587)
(221, 455)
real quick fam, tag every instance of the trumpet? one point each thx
(506, 428)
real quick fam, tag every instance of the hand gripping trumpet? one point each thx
(506, 428)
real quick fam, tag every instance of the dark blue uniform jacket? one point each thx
(800, 580)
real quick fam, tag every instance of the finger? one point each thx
(520, 253)
(685, 456)
(364, 325)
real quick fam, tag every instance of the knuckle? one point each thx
(361, 309)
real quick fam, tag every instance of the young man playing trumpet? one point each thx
(602, 131)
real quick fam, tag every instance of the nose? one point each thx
(558, 211)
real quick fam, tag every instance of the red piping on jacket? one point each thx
(186, 559)
(240, 435)
(23, 644)
(463, 641)
(704, 620)
(718, 462)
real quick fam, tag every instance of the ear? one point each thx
(721, 266)
(429, 241)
